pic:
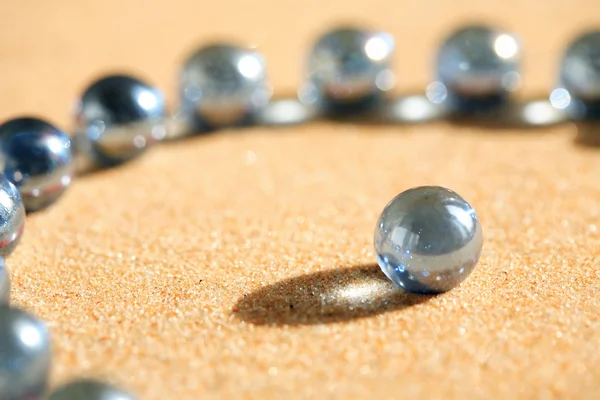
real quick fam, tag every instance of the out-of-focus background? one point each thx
(50, 50)
(175, 275)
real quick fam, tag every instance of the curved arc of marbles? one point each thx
(428, 240)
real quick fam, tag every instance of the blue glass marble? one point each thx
(223, 85)
(37, 159)
(25, 353)
(578, 91)
(120, 116)
(477, 68)
(428, 240)
(4, 284)
(12, 217)
(349, 69)
(89, 389)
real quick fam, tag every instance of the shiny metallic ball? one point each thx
(89, 389)
(12, 217)
(4, 284)
(428, 240)
(25, 353)
(37, 158)
(349, 67)
(120, 116)
(578, 91)
(477, 65)
(223, 85)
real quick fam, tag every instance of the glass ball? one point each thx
(222, 85)
(578, 91)
(428, 240)
(348, 68)
(4, 284)
(37, 159)
(12, 217)
(24, 355)
(120, 117)
(477, 65)
(89, 389)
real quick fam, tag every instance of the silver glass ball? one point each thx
(477, 62)
(223, 84)
(578, 91)
(25, 352)
(4, 284)
(89, 389)
(428, 240)
(36, 157)
(580, 68)
(349, 66)
(12, 217)
(120, 116)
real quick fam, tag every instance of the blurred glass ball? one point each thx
(477, 62)
(349, 66)
(120, 116)
(578, 91)
(25, 352)
(223, 85)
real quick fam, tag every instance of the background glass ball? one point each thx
(4, 284)
(88, 389)
(25, 352)
(580, 67)
(479, 61)
(120, 116)
(349, 66)
(223, 84)
(37, 158)
(428, 240)
(578, 91)
(12, 217)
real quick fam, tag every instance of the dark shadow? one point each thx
(337, 295)
(86, 165)
(537, 114)
(412, 108)
(588, 134)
